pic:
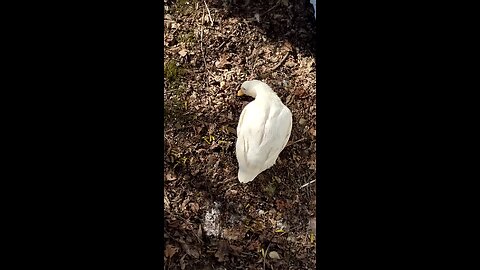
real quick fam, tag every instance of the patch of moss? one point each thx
(171, 71)
(187, 38)
(184, 6)
(176, 106)
(270, 189)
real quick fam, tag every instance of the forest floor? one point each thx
(212, 221)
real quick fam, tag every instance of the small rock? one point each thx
(274, 255)
(302, 121)
(289, 64)
(231, 192)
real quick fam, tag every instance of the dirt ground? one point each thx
(211, 220)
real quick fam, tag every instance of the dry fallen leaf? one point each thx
(170, 250)
(232, 130)
(191, 250)
(170, 177)
(182, 262)
(312, 164)
(233, 234)
(222, 251)
(254, 245)
(236, 250)
(194, 207)
(183, 52)
(199, 232)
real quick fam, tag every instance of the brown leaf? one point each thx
(233, 234)
(312, 164)
(183, 52)
(194, 207)
(236, 250)
(312, 225)
(191, 250)
(300, 91)
(182, 262)
(222, 62)
(253, 245)
(281, 204)
(222, 251)
(301, 255)
(289, 98)
(232, 130)
(198, 129)
(211, 128)
(184, 203)
(170, 177)
(170, 250)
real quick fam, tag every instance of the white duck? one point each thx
(263, 130)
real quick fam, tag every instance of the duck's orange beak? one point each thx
(240, 92)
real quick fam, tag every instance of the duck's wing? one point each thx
(287, 117)
(251, 135)
(263, 132)
(280, 135)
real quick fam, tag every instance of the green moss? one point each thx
(184, 6)
(171, 71)
(270, 189)
(187, 38)
(176, 106)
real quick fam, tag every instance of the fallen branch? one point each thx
(208, 10)
(264, 75)
(220, 46)
(177, 129)
(308, 183)
(203, 51)
(281, 62)
(297, 141)
(278, 2)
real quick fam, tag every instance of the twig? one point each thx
(281, 62)
(201, 41)
(210, 17)
(230, 179)
(266, 252)
(295, 142)
(308, 183)
(263, 14)
(203, 51)
(180, 128)
(220, 46)
(264, 75)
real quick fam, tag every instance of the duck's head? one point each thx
(250, 88)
